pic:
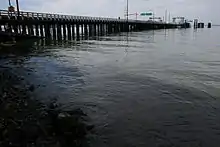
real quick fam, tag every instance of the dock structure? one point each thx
(68, 27)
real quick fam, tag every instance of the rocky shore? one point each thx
(27, 122)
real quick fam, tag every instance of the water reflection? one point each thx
(120, 79)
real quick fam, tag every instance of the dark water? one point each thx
(154, 88)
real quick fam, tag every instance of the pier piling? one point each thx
(58, 27)
(209, 25)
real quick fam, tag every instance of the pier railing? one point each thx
(50, 16)
(39, 16)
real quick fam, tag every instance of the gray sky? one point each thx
(204, 10)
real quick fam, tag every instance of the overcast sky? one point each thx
(204, 10)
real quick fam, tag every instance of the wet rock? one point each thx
(32, 88)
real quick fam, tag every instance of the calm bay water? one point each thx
(153, 88)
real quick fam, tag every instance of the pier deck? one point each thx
(58, 27)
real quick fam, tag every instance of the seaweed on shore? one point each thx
(26, 122)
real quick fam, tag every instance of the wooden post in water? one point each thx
(209, 25)
(73, 31)
(86, 29)
(37, 29)
(47, 31)
(64, 31)
(117, 27)
(29, 29)
(9, 26)
(15, 28)
(195, 23)
(82, 30)
(90, 29)
(42, 30)
(77, 32)
(106, 28)
(102, 29)
(94, 29)
(109, 28)
(24, 29)
(69, 31)
(32, 29)
(99, 30)
(59, 32)
(54, 31)
(121, 27)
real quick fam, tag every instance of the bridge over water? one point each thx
(58, 27)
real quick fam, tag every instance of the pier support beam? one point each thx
(109, 28)
(15, 28)
(54, 31)
(94, 29)
(37, 30)
(47, 31)
(59, 32)
(77, 32)
(64, 31)
(69, 31)
(42, 30)
(73, 31)
(99, 29)
(90, 29)
(209, 25)
(86, 29)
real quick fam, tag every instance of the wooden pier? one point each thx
(67, 27)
